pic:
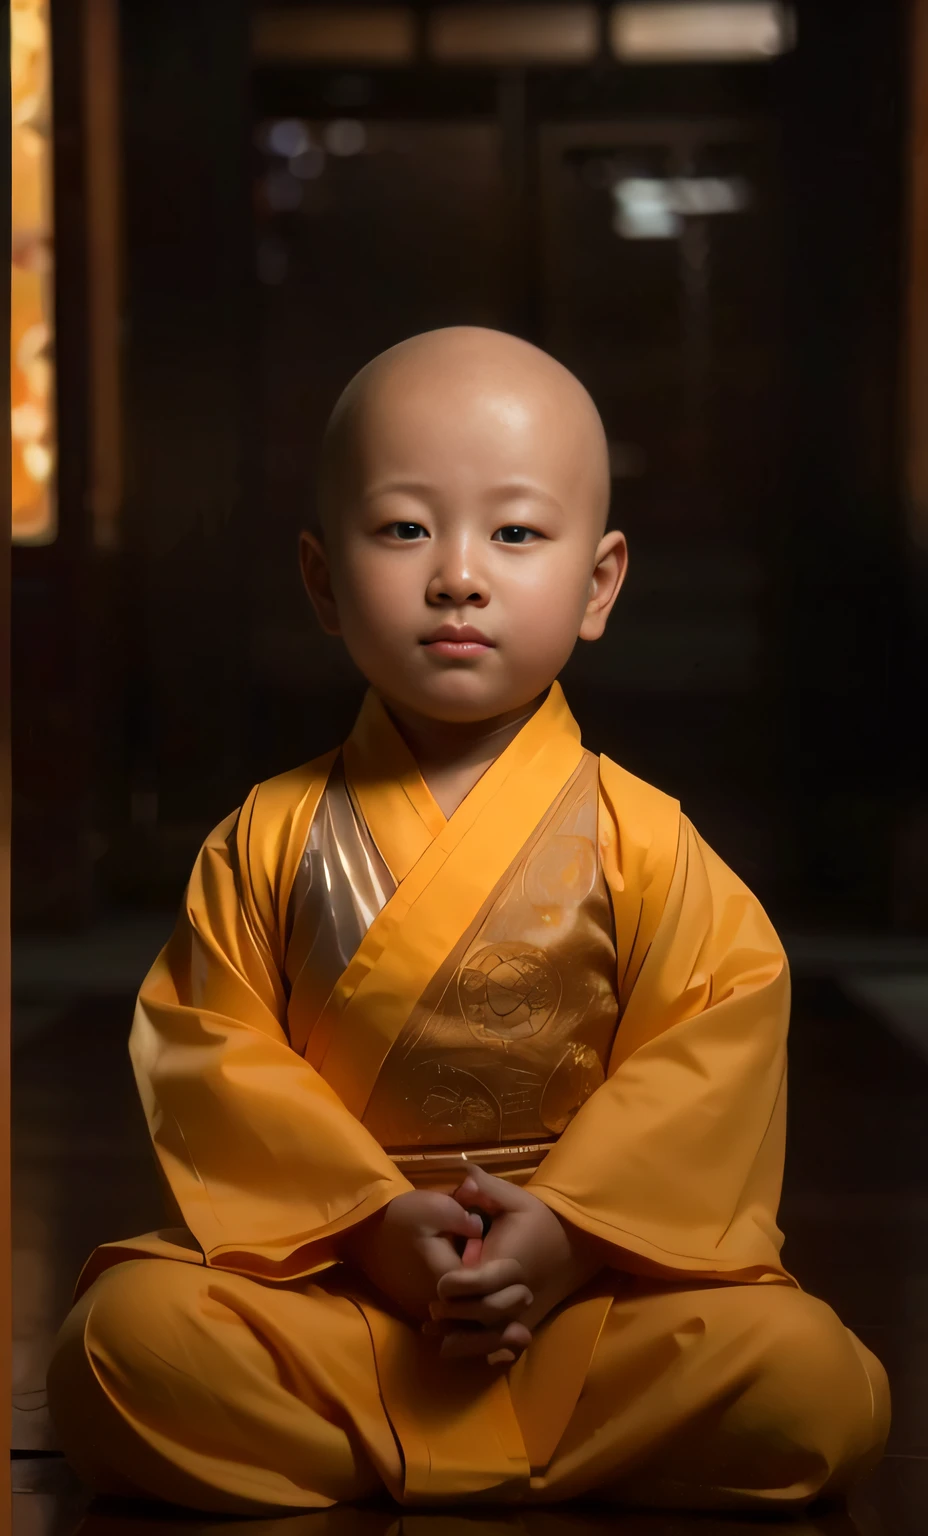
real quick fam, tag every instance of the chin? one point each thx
(451, 714)
(460, 698)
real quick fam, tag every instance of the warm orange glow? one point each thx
(510, 34)
(689, 32)
(32, 369)
(363, 34)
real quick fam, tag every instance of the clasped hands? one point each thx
(487, 1299)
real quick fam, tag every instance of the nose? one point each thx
(456, 583)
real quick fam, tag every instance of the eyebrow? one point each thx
(500, 493)
(407, 487)
(514, 488)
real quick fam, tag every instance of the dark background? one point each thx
(763, 379)
(765, 663)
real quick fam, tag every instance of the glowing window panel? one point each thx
(691, 34)
(514, 34)
(32, 310)
(330, 34)
(650, 209)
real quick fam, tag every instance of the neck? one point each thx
(452, 755)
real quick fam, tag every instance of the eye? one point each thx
(407, 531)
(516, 533)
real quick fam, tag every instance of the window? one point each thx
(32, 368)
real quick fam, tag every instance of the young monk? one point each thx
(458, 974)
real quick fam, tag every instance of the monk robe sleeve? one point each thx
(264, 1161)
(676, 1161)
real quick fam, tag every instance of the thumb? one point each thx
(487, 1193)
(452, 1219)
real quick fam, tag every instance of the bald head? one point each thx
(465, 485)
(474, 395)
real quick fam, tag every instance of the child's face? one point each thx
(464, 555)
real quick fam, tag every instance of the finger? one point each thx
(465, 1344)
(438, 1256)
(474, 1199)
(486, 1221)
(501, 1357)
(489, 1310)
(465, 1191)
(473, 1252)
(516, 1336)
(481, 1191)
(447, 1217)
(484, 1217)
(480, 1281)
(494, 1194)
(471, 1343)
(510, 1352)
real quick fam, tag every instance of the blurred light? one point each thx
(272, 262)
(309, 164)
(687, 33)
(38, 461)
(288, 137)
(335, 34)
(648, 208)
(345, 136)
(642, 211)
(32, 306)
(40, 377)
(32, 343)
(512, 34)
(27, 422)
(282, 191)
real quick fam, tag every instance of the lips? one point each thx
(458, 634)
(458, 643)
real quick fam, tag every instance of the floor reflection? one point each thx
(576, 1521)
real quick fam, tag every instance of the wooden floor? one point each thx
(855, 1212)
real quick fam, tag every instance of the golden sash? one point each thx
(513, 1031)
(438, 900)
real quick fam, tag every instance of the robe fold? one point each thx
(561, 982)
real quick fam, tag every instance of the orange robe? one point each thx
(561, 980)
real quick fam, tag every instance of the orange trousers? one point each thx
(231, 1395)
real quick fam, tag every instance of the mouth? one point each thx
(457, 641)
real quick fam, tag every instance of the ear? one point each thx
(314, 566)
(608, 576)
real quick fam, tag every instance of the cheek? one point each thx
(548, 597)
(380, 595)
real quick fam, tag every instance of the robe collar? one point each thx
(395, 801)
